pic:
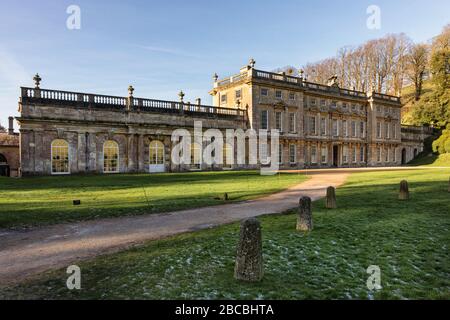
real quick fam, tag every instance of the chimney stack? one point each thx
(11, 126)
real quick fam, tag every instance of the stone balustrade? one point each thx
(86, 100)
(280, 77)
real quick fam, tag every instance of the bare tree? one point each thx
(378, 65)
(417, 63)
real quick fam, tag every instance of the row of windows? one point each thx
(237, 96)
(278, 94)
(389, 154)
(334, 104)
(387, 130)
(61, 159)
(291, 126)
(338, 127)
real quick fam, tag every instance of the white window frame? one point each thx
(324, 155)
(118, 157)
(276, 94)
(223, 98)
(323, 125)
(292, 148)
(345, 154)
(279, 121)
(68, 158)
(313, 154)
(266, 112)
(292, 118)
(335, 125)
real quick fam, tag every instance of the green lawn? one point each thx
(48, 200)
(408, 240)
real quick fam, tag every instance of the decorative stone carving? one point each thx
(37, 80)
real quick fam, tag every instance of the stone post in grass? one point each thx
(331, 198)
(304, 218)
(249, 264)
(404, 191)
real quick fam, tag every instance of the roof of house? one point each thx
(9, 140)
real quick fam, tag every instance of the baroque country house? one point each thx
(320, 126)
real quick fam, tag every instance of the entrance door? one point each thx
(403, 156)
(157, 156)
(4, 168)
(335, 156)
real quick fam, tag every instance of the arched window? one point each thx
(60, 157)
(110, 156)
(227, 155)
(195, 156)
(156, 152)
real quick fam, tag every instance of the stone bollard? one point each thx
(331, 198)
(249, 264)
(304, 219)
(404, 192)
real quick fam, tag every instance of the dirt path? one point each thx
(27, 253)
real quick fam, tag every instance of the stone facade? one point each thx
(9, 154)
(321, 125)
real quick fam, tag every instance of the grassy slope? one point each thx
(46, 200)
(409, 240)
(408, 98)
(431, 160)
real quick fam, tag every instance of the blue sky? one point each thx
(161, 47)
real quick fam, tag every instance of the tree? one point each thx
(440, 60)
(2, 128)
(442, 144)
(378, 65)
(417, 63)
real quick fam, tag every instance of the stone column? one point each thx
(140, 152)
